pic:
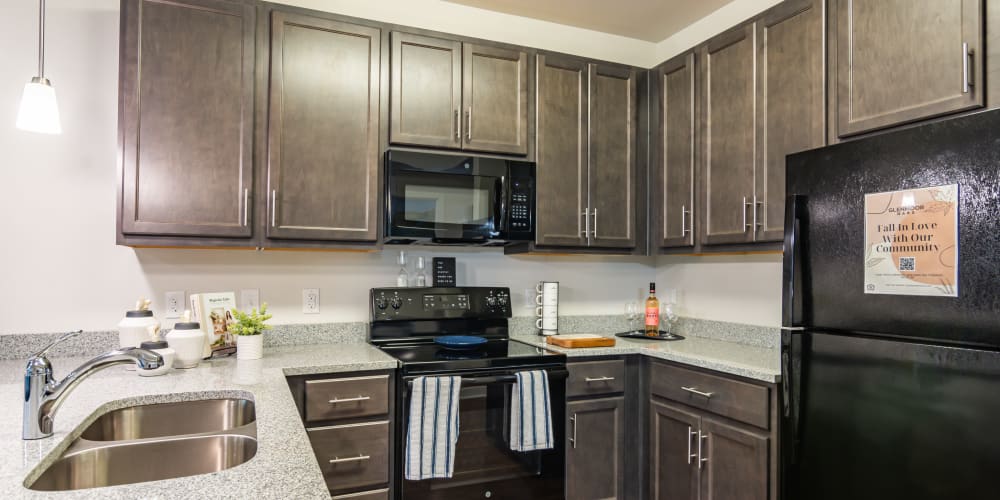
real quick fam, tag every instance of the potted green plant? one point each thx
(249, 328)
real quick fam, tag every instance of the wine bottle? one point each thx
(652, 312)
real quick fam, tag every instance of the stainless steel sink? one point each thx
(171, 419)
(154, 442)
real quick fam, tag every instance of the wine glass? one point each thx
(631, 314)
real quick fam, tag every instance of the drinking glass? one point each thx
(631, 314)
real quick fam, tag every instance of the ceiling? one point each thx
(650, 20)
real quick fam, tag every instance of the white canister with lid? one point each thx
(134, 329)
(189, 341)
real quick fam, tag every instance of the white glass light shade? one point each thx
(39, 111)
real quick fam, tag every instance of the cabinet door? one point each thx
(673, 457)
(323, 153)
(561, 150)
(791, 104)
(735, 462)
(186, 119)
(426, 92)
(595, 453)
(675, 142)
(900, 61)
(727, 159)
(495, 98)
(611, 156)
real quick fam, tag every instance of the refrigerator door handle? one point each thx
(791, 298)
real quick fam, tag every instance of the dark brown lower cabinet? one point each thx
(694, 457)
(594, 451)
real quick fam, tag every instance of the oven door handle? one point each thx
(560, 374)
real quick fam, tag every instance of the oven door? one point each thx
(444, 206)
(485, 466)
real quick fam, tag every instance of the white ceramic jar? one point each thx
(189, 341)
(249, 346)
(134, 329)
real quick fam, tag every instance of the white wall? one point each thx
(737, 288)
(60, 268)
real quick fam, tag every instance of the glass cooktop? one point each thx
(425, 357)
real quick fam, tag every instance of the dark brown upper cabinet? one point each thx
(791, 103)
(612, 156)
(585, 178)
(186, 118)
(674, 152)
(426, 94)
(897, 62)
(727, 136)
(595, 448)
(450, 94)
(561, 175)
(323, 129)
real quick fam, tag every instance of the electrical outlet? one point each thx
(174, 305)
(310, 300)
(250, 299)
(529, 298)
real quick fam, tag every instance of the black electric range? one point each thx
(404, 324)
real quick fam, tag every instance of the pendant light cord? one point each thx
(41, 39)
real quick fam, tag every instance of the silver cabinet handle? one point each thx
(246, 206)
(966, 55)
(359, 458)
(691, 434)
(274, 207)
(701, 459)
(684, 215)
(572, 440)
(746, 204)
(468, 126)
(696, 391)
(598, 379)
(349, 400)
(594, 233)
(756, 225)
(458, 128)
(586, 223)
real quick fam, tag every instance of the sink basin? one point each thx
(171, 419)
(114, 464)
(154, 442)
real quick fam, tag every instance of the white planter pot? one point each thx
(249, 346)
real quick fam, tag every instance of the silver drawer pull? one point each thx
(349, 400)
(598, 379)
(359, 458)
(696, 391)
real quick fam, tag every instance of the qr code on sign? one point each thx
(907, 263)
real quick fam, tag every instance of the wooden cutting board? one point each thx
(573, 341)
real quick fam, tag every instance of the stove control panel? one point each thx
(397, 304)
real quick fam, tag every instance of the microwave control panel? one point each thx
(522, 201)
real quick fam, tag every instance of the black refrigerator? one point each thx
(891, 369)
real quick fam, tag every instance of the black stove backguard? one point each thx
(420, 314)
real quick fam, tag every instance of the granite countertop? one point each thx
(284, 466)
(754, 362)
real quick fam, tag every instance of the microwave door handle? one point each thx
(500, 205)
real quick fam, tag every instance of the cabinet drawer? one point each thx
(730, 398)
(347, 397)
(382, 494)
(352, 455)
(595, 377)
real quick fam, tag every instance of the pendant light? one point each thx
(39, 111)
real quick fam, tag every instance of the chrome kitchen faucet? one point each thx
(43, 395)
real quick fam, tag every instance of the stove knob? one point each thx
(381, 303)
(491, 301)
(502, 301)
(396, 302)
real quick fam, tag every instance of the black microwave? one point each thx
(460, 200)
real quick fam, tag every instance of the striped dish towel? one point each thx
(433, 427)
(531, 413)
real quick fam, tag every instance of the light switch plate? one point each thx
(249, 299)
(310, 300)
(174, 306)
